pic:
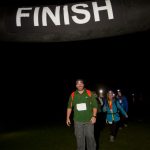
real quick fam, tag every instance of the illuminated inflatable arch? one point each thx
(75, 21)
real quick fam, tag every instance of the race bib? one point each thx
(81, 107)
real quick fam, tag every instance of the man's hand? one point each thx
(126, 116)
(68, 122)
(93, 120)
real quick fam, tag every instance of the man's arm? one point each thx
(93, 119)
(95, 106)
(94, 111)
(69, 110)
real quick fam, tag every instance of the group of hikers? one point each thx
(88, 109)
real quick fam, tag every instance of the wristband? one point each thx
(94, 116)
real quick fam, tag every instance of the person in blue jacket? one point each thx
(124, 103)
(111, 107)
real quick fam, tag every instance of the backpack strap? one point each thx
(89, 93)
(72, 95)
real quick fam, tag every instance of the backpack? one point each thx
(87, 91)
(73, 94)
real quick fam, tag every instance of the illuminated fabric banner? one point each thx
(77, 21)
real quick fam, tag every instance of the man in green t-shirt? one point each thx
(84, 104)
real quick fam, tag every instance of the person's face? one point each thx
(119, 94)
(110, 95)
(80, 85)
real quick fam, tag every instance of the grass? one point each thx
(135, 137)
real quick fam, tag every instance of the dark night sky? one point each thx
(37, 78)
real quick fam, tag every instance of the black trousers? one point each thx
(114, 128)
